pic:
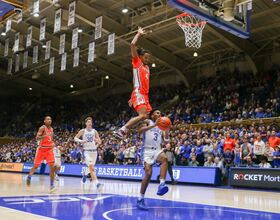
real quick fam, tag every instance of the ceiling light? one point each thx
(30, 88)
(71, 86)
(154, 65)
(107, 77)
(195, 54)
(44, 46)
(124, 10)
(3, 34)
(80, 30)
(36, 15)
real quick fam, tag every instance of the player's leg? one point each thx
(144, 185)
(50, 161)
(39, 156)
(162, 159)
(56, 170)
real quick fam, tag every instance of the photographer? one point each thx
(169, 151)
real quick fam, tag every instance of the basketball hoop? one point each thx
(192, 27)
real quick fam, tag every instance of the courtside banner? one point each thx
(27, 167)
(12, 167)
(200, 175)
(255, 177)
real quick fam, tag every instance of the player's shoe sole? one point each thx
(118, 134)
(162, 189)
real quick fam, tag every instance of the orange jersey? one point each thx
(47, 140)
(141, 76)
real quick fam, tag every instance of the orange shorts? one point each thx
(44, 153)
(140, 101)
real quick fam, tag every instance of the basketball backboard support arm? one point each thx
(240, 26)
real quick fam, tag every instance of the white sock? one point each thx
(141, 196)
(124, 129)
(162, 181)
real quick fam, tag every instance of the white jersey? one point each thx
(89, 136)
(152, 138)
(56, 152)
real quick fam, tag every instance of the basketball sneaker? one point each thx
(141, 204)
(162, 189)
(28, 180)
(53, 189)
(119, 134)
(84, 178)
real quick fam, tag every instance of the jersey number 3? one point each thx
(156, 136)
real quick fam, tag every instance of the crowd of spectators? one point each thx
(225, 97)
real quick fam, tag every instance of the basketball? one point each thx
(164, 123)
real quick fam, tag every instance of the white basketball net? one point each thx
(192, 27)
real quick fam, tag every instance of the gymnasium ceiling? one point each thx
(166, 43)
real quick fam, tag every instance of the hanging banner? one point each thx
(10, 66)
(43, 29)
(51, 69)
(111, 44)
(98, 27)
(62, 44)
(57, 21)
(35, 54)
(17, 63)
(48, 50)
(25, 59)
(6, 50)
(76, 57)
(91, 48)
(71, 17)
(36, 6)
(16, 45)
(29, 37)
(8, 25)
(63, 62)
(75, 35)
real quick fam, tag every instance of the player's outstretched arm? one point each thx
(135, 40)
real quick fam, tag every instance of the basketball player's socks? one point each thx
(52, 183)
(124, 129)
(141, 196)
(162, 181)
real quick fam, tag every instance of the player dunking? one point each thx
(44, 151)
(90, 140)
(141, 79)
(152, 153)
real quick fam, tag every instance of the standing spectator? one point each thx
(229, 143)
(276, 157)
(207, 148)
(268, 152)
(259, 147)
(237, 156)
(170, 157)
(199, 153)
(217, 152)
(246, 150)
(273, 140)
(228, 160)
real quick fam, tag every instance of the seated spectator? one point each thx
(264, 163)
(193, 162)
(209, 162)
(276, 157)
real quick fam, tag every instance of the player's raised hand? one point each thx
(141, 31)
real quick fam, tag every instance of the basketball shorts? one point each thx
(140, 101)
(90, 157)
(44, 153)
(150, 155)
